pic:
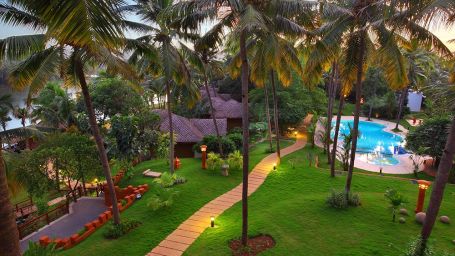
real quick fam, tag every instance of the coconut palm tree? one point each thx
(156, 54)
(204, 61)
(9, 244)
(76, 33)
(367, 30)
(420, 63)
(244, 19)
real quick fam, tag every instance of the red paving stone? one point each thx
(181, 238)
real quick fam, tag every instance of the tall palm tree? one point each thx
(4, 118)
(244, 19)
(77, 33)
(367, 30)
(9, 244)
(420, 63)
(203, 59)
(156, 54)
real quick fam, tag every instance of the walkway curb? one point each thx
(180, 239)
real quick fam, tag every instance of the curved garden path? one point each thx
(185, 234)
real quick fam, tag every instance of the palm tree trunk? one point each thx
(335, 137)
(9, 244)
(212, 110)
(369, 112)
(275, 117)
(99, 141)
(245, 128)
(358, 95)
(400, 106)
(437, 193)
(267, 112)
(171, 128)
(332, 90)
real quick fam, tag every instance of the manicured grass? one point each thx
(291, 207)
(348, 108)
(201, 187)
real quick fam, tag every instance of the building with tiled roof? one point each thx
(189, 131)
(225, 107)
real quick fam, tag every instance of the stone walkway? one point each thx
(179, 240)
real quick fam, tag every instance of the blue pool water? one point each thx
(378, 145)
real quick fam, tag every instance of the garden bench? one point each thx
(151, 174)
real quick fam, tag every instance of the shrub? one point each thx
(35, 249)
(168, 180)
(235, 160)
(115, 231)
(41, 204)
(237, 138)
(211, 141)
(396, 200)
(163, 197)
(214, 161)
(338, 200)
(414, 248)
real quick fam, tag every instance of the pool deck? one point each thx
(404, 167)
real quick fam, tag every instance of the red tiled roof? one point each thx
(190, 130)
(224, 105)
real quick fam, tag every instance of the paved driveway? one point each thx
(85, 210)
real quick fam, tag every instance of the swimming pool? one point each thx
(377, 145)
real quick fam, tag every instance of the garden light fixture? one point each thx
(423, 186)
(212, 221)
(204, 156)
(274, 166)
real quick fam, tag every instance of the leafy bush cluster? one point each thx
(338, 200)
(162, 197)
(35, 249)
(214, 161)
(229, 143)
(115, 231)
(235, 160)
(41, 204)
(168, 180)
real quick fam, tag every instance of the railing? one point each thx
(24, 207)
(36, 223)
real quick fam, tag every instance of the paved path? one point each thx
(179, 240)
(85, 210)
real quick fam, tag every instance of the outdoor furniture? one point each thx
(151, 174)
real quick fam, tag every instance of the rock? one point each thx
(445, 219)
(420, 217)
(404, 211)
(453, 241)
(402, 220)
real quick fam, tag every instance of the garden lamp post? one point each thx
(204, 156)
(423, 186)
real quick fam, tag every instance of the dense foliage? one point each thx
(430, 137)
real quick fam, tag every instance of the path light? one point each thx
(295, 133)
(423, 186)
(204, 156)
(212, 221)
(274, 166)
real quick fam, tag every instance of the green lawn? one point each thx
(201, 187)
(291, 207)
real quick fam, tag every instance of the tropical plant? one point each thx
(214, 162)
(114, 231)
(76, 34)
(35, 249)
(430, 137)
(335, 136)
(235, 160)
(396, 201)
(339, 199)
(4, 117)
(168, 180)
(162, 197)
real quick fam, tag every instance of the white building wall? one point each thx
(415, 101)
